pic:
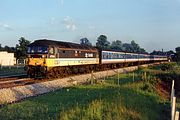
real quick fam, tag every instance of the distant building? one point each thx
(7, 59)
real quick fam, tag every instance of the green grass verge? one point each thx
(133, 97)
(128, 99)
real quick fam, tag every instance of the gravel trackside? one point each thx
(14, 94)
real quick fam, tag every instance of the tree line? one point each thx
(19, 50)
(102, 43)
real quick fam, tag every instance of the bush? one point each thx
(166, 67)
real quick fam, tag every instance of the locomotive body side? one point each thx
(44, 55)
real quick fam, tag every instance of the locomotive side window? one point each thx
(76, 53)
(51, 50)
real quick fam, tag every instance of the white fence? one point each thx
(174, 113)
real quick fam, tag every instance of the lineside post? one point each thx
(145, 76)
(92, 77)
(172, 91)
(107, 74)
(118, 75)
(173, 108)
(177, 115)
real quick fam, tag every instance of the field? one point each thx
(142, 95)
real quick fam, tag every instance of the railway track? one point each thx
(20, 80)
(17, 80)
(13, 76)
(25, 87)
(12, 82)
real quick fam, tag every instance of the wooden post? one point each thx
(104, 77)
(133, 76)
(145, 77)
(91, 77)
(107, 74)
(173, 108)
(17, 63)
(118, 75)
(172, 91)
(177, 115)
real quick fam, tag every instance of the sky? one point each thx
(153, 24)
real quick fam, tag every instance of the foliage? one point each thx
(158, 53)
(132, 47)
(116, 45)
(178, 53)
(85, 41)
(22, 48)
(19, 50)
(102, 42)
(8, 49)
(166, 67)
(177, 49)
(127, 47)
(113, 100)
(135, 46)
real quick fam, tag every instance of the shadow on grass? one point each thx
(88, 102)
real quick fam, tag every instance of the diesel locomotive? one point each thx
(49, 58)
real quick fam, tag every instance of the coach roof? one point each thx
(60, 44)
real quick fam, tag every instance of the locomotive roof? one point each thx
(60, 44)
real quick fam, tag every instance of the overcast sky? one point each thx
(154, 24)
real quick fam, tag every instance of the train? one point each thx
(53, 59)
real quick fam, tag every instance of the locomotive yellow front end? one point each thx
(36, 61)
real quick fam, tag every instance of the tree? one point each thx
(170, 52)
(128, 47)
(143, 51)
(0, 47)
(177, 49)
(102, 42)
(135, 46)
(22, 48)
(85, 41)
(178, 53)
(116, 45)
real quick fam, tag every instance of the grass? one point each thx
(128, 99)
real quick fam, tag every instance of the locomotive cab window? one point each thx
(37, 49)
